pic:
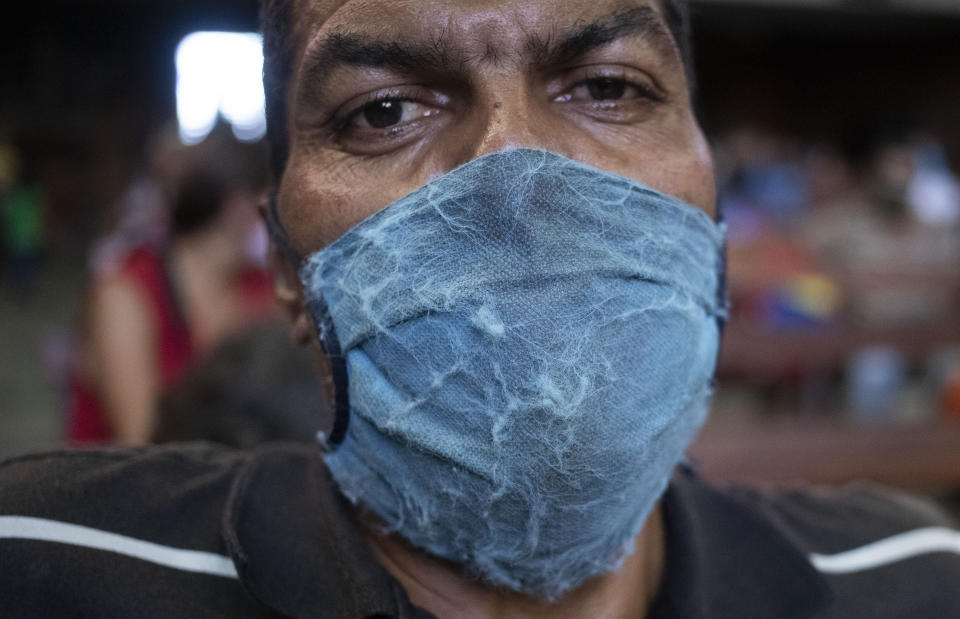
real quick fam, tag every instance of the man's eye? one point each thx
(386, 113)
(604, 89)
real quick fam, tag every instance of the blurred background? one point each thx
(132, 263)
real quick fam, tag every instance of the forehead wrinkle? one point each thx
(357, 39)
(450, 42)
(355, 48)
(321, 12)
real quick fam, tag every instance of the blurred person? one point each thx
(945, 372)
(876, 377)
(893, 168)
(830, 173)
(951, 395)
(157, 310)
(933, 193)
(764, 175)
(894, 269)
(23, 214)
(775, 281)
(254, 387)
(499, 221)
(143, 212)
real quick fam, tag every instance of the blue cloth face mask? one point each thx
(529, 346)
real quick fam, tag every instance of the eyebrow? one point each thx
(640, 21)
(339, 49)
(352, 49)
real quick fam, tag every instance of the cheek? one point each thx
(324, 194)
(686, 173)
(691, 177)
(317, 204)
(674, 159)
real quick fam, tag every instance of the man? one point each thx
(498, 219)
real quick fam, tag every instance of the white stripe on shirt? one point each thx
(876, 554)
(889, 550)
(40, 529)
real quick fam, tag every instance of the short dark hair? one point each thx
(198, 201)
(212, 171)
(276, 24)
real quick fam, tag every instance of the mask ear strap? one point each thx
(723, 295)
(338, 367)
(326, 332)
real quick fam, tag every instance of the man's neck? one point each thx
(443, 589)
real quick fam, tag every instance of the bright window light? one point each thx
(220, 74)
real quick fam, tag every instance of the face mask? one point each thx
(529, 344)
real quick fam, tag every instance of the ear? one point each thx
(288, 290)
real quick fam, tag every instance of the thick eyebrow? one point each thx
(341, 48)
(641, 21)
(350, 49)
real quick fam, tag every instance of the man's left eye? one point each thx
(387, 113)
(604, 89)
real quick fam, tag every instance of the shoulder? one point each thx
(113, 532)
(128, 289)
(143, 265)
(885, 553)
(171, 459)
(828, 519)
(140, 265)
(120, 489)
(141, 257)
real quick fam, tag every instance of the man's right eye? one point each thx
(387, 113)
(379, 122)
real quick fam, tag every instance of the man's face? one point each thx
(388, 94)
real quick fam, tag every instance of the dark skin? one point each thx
(388, 94)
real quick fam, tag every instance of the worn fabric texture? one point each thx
(530, 344)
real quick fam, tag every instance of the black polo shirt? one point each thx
(202, 531)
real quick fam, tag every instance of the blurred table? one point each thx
(756, 353)
(918, 458)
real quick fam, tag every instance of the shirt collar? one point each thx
(298, 549)
(725, 559)
(295, 543)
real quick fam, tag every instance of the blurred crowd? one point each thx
(853, 252)
(858, 242)
(177, 335)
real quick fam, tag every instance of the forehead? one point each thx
(495, 24)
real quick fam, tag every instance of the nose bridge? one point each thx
(507, 119)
